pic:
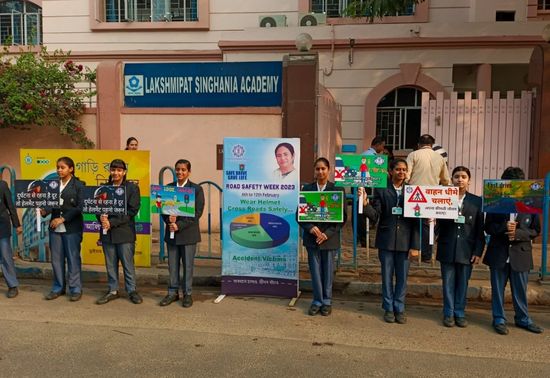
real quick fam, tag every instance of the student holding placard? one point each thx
(322, 241)
(460, 244)
(66, 227)
(118, 237)
(510, 257)
(181, 236)
(8, 218)
(396, 238)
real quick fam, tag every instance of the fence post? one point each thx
(545, 208)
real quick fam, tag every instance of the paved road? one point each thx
(253, 337)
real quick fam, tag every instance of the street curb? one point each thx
(537, 294)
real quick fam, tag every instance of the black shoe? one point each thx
(12, 292)
(427, 261)
(169, 299)
(135, 297)
(187, 301)
(54, 295)
(448, 321)
(531, 328)
(326, 310)
(501, 329)
(75, 297)
(107, 298)
(314, 310)
(461, 322)
(389, 317)
(400, 318)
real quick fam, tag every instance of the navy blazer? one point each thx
(331, 230)
(395, 232)
(458, 242)
(188, 228)
(123, 227)
(8, 213)
(519, 250)
(71, 209)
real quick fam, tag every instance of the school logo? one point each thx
(238, 151)
(133, 85)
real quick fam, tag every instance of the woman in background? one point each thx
(131, 144)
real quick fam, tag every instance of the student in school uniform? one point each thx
(459, 246)
(183, 245)
(510, 257)
(322, 241)
(118, 237)
(396, 238)
(8, 219)
(66, 227)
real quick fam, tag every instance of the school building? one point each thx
(476, 61)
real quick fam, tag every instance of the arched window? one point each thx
(398, 117)
(20, 23)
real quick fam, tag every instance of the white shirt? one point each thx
(61, 228)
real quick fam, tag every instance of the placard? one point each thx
(104, 199)
(440, 202)
(36, 194)
(361, 170)
(173, 200)
(321, 207)
(260, 233)
(513, 196)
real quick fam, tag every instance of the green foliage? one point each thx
(372, 9)
(39, 89)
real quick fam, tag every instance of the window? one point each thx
(544, 5)
(336, 8)
(150, 10)
(398, 116)
(20, 23)
(505, 16)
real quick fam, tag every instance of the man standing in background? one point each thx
(427, 167)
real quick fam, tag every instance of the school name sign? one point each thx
(183, 85)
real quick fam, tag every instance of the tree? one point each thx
(40, 89)
(372, 9)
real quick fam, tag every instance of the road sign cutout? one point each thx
(417, 196)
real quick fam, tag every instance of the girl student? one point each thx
(66, 226)
(322, 241)
(182, 235)
(396, 238)
(118, 237)
(459, 245)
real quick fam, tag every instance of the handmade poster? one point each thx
(261, 181)
(92, 167)
(513, 196)
(321, 207)
(173, 200)
(361, 170)
(440, 202)
(33, 194)
(104, 199)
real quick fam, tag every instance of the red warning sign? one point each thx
(417, 196)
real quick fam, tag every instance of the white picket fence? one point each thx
(484, 134)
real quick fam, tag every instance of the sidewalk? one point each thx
(424, 279)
